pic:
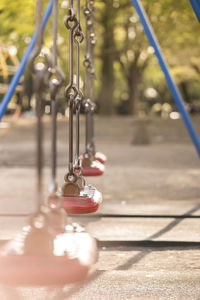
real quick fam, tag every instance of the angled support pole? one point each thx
(196, 7)
(164, 67)
(14, 82)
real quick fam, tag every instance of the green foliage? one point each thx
(17, 22)
(174, 23)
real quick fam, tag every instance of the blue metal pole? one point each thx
(171, 84)
(11, 89)
(196, 7)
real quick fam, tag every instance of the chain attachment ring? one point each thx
(71, 18)
(71, 177)
(56, 79)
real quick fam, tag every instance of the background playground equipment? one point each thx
(8, 66)
(20, 70)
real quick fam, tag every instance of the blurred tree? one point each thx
(178, 35)
(170, 21)
(125, 67)
(17, 22)
(133, 55)
(107, 49)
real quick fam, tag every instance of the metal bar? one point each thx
(55, 30)
(196, 7)
(38, 82)
(40, 155)
(14, 82)
(53, 142)
(164, 67)
(54, 98)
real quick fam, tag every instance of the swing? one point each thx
(77, 197)
(80, 200)
(90, 166)
(99, 156)
(59, 260)
(92, 161)
(47, 251)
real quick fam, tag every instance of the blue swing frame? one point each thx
(164, 67)
(196, 7)
(15, 80)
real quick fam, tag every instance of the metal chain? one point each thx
(87, 60)
(90, 73)
(53, 86)
(71, 91)
(78, 38)
(87, 64)
(38, 69)
(56, 79)
(55, 29)
(92, 76)
(92, 45)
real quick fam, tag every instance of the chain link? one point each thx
(89, 105)
(78, 38)
(55, 80)
(71, 23)
(72, 92)
(37, 64)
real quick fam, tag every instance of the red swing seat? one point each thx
(100, 157)
(76, 252)
(88, 201)
(96, 169)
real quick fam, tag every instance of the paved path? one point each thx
(150, 248)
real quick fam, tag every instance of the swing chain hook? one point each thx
(39, 64)
(71, 23)
(70, 20)
(56, 79)
(78, 34)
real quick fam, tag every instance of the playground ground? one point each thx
(149, 248)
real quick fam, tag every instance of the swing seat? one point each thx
(96, 169)
(88, 201)
(74, 253)
(100, 157)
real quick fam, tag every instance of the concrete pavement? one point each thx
(152, 250)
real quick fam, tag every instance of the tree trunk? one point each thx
(107, 72)
(133, 79)
(184, 89)
(28, 87)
